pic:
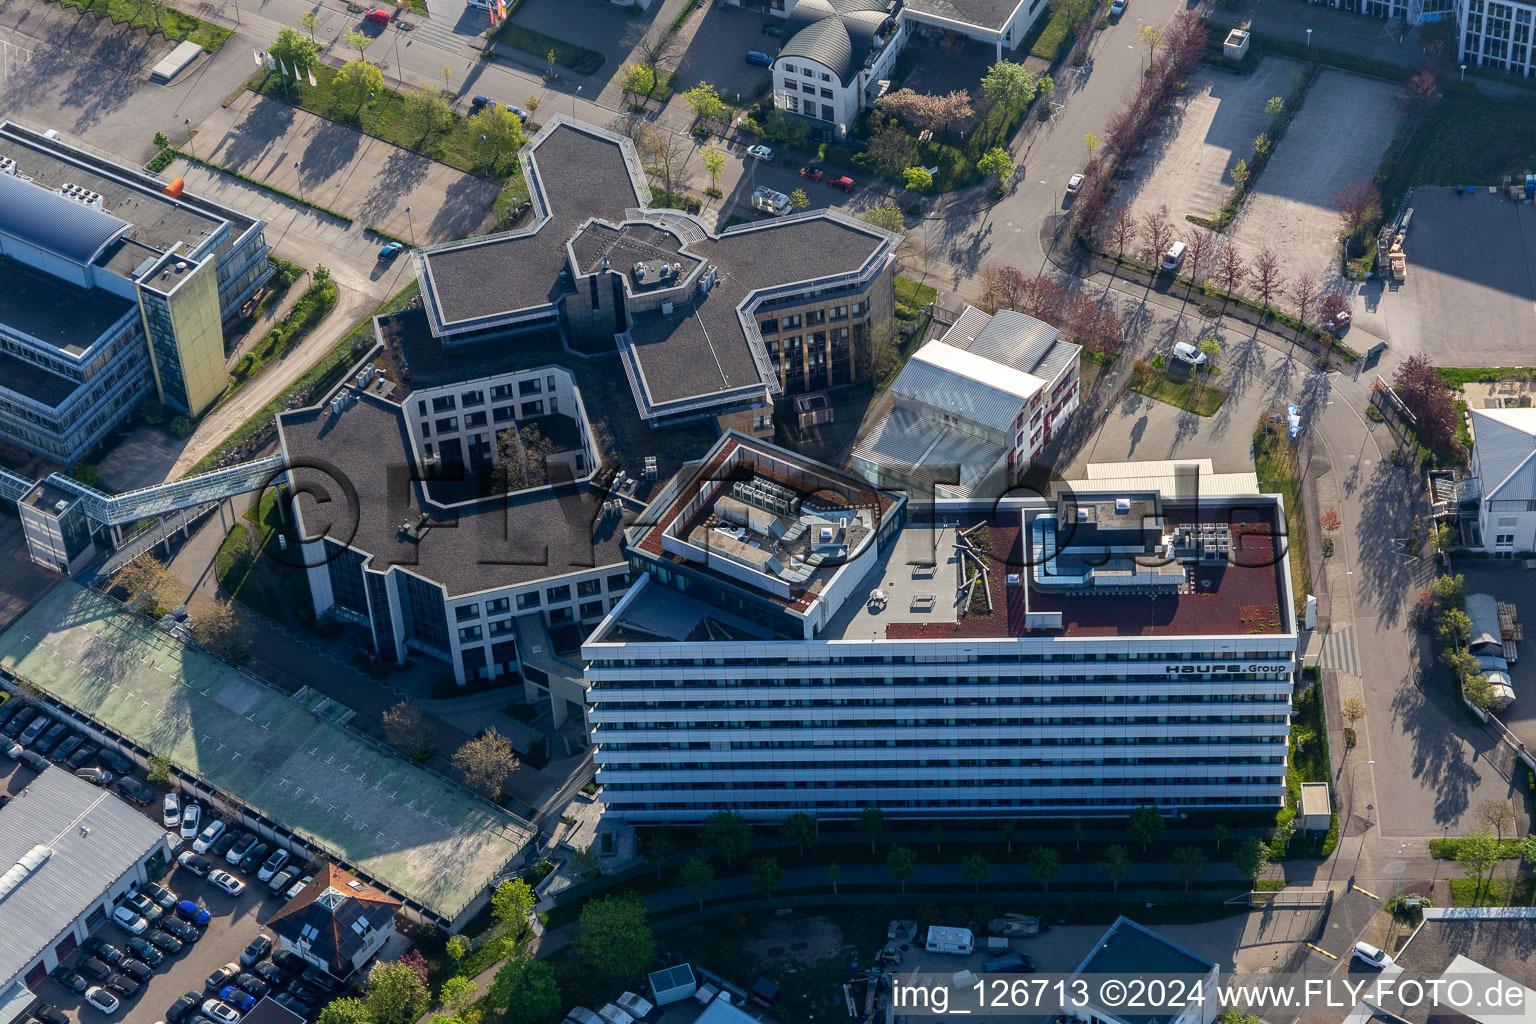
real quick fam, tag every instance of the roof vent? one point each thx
(7, 166)
(181, 265)
(23, 869)
(1082, 515)
(1122, 505)
(81, 195)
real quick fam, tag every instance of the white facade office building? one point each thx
(800, 641)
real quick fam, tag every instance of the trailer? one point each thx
(1015, 926)
(950, 940)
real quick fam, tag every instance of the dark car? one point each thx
(19, 721)
(162, 896)
(164, 940)
(32, 759)
(183, 1008)
(9, 707)
(199, 866)
(290, 961)
(117, 762)
(145, 951)
(66, 748)
(239, 848)
(135, 791)
(137, 969)
(102, 950)
(222, 976)
(774, 29)
(52, 738)
(307, 993)
(316, 978)
(49, 1014)
(124, 985)
(842, 182)
(254, 856)
(178, 928)
(94, 969)
(257, 950)
(254, 985)
(69, 979)
(221, 845)
(270, 973)
(84, 755)
(298, 1006)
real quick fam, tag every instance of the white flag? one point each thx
(257, 54)
(283, 68)
(271, 62)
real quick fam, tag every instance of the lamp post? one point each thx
(1309, 44)
(299, 178)
(1140, 58)
(411, 226)
(573, 101)
(187, 122)
(1463, 72)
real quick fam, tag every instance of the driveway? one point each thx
(716, 53)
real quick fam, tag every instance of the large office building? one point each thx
(799, 640)
(68, 851)
(117, 287)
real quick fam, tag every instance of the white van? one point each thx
(770, 201)
(1174, 256)
(949, 940)
(1188, 353)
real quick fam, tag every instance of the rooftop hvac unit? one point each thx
(639, 271)
(181, 266)
(666, 308)
(81, 195)
(7, 166)
(606, 263)
(1122, 505)
(336, 406)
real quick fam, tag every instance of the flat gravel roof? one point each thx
(55, 312)
(377, 813)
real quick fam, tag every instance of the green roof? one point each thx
(420, 836)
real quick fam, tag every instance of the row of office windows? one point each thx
(476, 396)
(708, 786)
(1057, 657)
(612, 703)
(661, 810)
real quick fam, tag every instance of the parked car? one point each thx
(1075, 184)
(226, 881)
(66, 748)
(51, 738)
(1186, 352)
(83, 756)
(126, 919)
(252, 984)
(34, 731)
(137, 969)
(220, 1012)
(316, 978)
(282, 880)
(19, 721)
(9, 707)
(32, 759)
(162, 896)
(193, 863)
(12, 750)
(273, 864)
(95, 776)
(135, 791)
(208, 836)
(760, 152)
(94, 969)
(843, 182)
(138, 902)
(145, 951)
(254, 856)
(179, 928)
(759, 59)
(813, 172)
(69, 979)
(117, 762)
(182, 1007)
(240, 848)
(1174, 256)
(164, 940)
(124, 985)
(1117, 8)
(103, 1000)
(102, 950)
(194, 913)
(298, 1006)
(390, 251)
(378, 16)
(170, 810)
(298, 887)
(222, 976)
(191, 819)
(773, 29)
(49, 1014)
(222, 844)
(1336, 322)
(237, 997)
(290, 961)
(270, 973)
(257, 949)
(1372, 955)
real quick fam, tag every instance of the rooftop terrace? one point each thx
(420, 836)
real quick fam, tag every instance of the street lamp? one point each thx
(411, 226)
(1309, 44)
(1140, 58)
(300, 179)
(573, 101)
(187, 121)
(1053, 193)
(1463, 72)
(1352, 771)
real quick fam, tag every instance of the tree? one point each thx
(1120, 228)
(872, 826)
(997, 163)
(395, 993)
(1156, 235)
(1090, 143)
(224, 630)
(1230, 269)
(834, 873)
(1200, 253)
(613, 939)
(890, 149)
(1528, 849)
(664, 153)
(659, 48)
(1145, 826)
(1240, 175)
(932, 112)
(1418, 95)
(1188, 864)
(1476, 687)
(1455, 630)
(1359, 205)
(1151, 38)
(917, 179)
(886, 217)
(485, 761)
(902, 864)
(705, 103)
(160, 768)
(714, 163)
(1274, 106)
(800, 829)
(512, 902)
(937, 835)
(356, 80)
(1267, 279)
(798, 199)
(426, 105)
(726, 833)
(766, 875)
(876, 351)
(658, 847)
(1352, 710)
(698, 879)
(1005, 287)
(1044, 865)
(1303, 294)
(1078, 835)
(1449, 591)
(1497, 815)
(1426, 395)
(1479, 853)
(1220, 833)
(309, 20)
(524, 990)
(1210, 346)
(297, 54)
(359, 41)
(522, 458)
(458, 995)
(1010, 830)
(345, 1010)
(638, 78)
(149, 584)
(1116, 864)
(976, 869)
(1261, 143)
(1252, 859)
(408, 730)
(1008, 84)
(501, 129)
(456, 947)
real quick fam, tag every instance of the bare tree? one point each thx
(665, 155)
(1267, 277)
(1359, 205)
(149, 583)
(1120, 228)
(1230, 268)
(1002, 287)
(1303, 294)
(1201, 249)
(659, 49)
(1042, 298)
(1156, 235)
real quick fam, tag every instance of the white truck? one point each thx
(770, 201)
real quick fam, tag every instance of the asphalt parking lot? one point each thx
(718, 50)
(1508, 580)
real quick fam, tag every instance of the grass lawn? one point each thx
(1492, 892)
(162, 18)
(913, 295)
(389, 118)
(313, 306)
(1274, 463)
(248, 572)
(1459, 376)
(568, 55)
(1473, 140)
(1191, 394)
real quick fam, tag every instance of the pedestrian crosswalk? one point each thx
(1339, 651)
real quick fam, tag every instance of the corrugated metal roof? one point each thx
(957, 395)
(94, 838)
(1152, 467)
(1504, 440)
(1024, 343)
(50, 221)
(906, 442)
(837, 34)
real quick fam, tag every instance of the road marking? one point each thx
(1367, 892)
(1321, 950)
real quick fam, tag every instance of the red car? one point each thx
(379, 15)
(814, 173)
(844, 182)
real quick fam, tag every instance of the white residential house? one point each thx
(835, 54)
(1504, 468)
